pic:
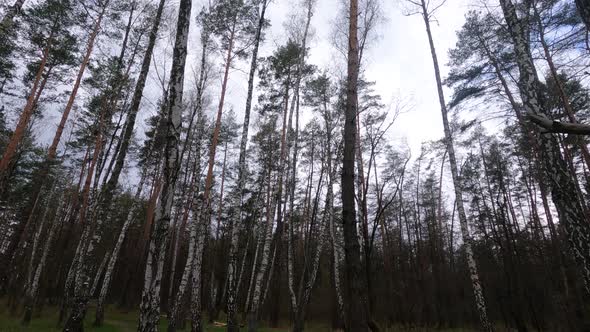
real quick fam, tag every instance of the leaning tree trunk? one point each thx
(23, 121)
(86, 262)
(136, 206)
(150, 301)
(196, 169)
(33, 283)
(107, 192)
(40, 178)
(236, 217)
(467, 239)
(258, 276)
(108, 276)
(561, 181)
(196, 229)
(355, 299)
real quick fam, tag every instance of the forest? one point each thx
(192, 165)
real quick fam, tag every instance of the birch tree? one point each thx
(427, 13)
(150, 302)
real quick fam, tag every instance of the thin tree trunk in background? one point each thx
(264, 245)
(356, 306)
(150, 300)
(196, 230)
(217, 298)
(467, 239)
(98, 274)
(106, 283)
(305, 288)
(293, 181)
(32, 290)
(236, 218)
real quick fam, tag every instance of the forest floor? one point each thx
(115, 321)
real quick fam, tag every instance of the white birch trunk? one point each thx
(468, 241)
(150, 302)
(561, 180)
(33, 286)
(106, 283)
(195, 233)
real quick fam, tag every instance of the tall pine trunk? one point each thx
(22, 229)
(356, 306)
(23, 121)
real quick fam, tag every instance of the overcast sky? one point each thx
(399, 62)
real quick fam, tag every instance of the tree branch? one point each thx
(553, 126)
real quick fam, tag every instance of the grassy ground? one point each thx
(121, 321)
(115, 321)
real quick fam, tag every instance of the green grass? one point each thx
(115, 321)
(126, 321)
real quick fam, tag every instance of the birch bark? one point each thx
(150, 301)
(467, 239)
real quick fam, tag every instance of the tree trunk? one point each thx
(356, 295)
(40, 178)
(237, 216)
(196, 231)
(197, 280)
(197, 160)
(23, 121)
(107, 192)
(265, 243)
(150, 301)
(33, 284)
(563, 187)
(106, 283)
(559, 84)
(471, 264)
